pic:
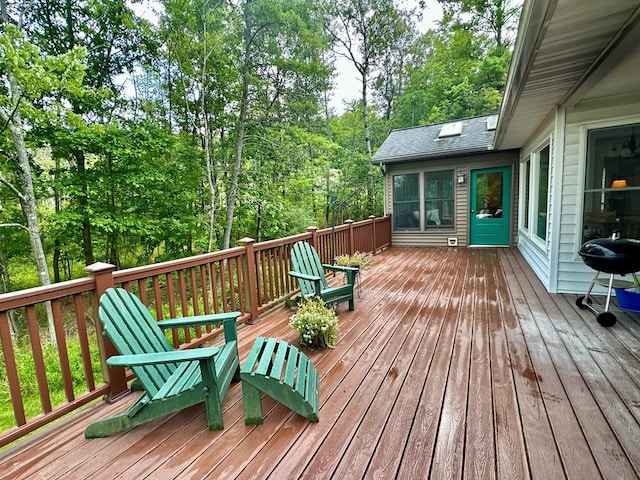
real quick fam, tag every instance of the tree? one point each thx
(456, 74)
(496, 18)
(115, 40)
(27, 79)
(281, 54)
(366, 32)
(201, 84)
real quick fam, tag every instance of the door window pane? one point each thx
(438, 199)
(406, 202)
(489, 195)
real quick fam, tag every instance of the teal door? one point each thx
(490, 218)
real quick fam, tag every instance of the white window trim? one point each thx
(523, 195)
(529, 231)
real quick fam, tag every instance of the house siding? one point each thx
(573, 275)
(461, 225)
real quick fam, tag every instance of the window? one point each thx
(535, 193)
(525, 192)
(406, 202)
(612, 183)
(543, 193)
(453, 129)
(423, 201)
(438, 199)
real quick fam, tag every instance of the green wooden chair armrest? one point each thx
(228, 321)
(350, 272)
(340, 268)
(304, 276)
(198, 320)
(162, 357)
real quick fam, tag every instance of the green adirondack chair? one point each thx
(171, 379)
(309, 271)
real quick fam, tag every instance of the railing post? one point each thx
(314, 236)
(102, 274)
(250, 276)
(373, 233)
(352, 241)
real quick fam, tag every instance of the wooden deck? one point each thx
(456, 363)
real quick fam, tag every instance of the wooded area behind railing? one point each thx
(250, 278)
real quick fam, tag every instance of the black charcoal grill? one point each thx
(615, 256)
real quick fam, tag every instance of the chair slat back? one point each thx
(132, 330)
(305, 259)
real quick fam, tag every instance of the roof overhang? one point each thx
(563, 48)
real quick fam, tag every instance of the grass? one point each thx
(28, 381)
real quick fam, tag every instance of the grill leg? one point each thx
(593, 282)
(608, 301)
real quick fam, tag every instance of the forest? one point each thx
(134, 138)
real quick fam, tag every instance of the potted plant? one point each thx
(360, 260)
(316, 323)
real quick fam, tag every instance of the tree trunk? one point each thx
(211, 181)
(242, 122)
(367, 139)
(28, 204)
(83, 201)
(57, 243)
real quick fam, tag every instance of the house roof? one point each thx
(564, 47)
(438, 140)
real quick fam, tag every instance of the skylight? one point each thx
(452, 129)
(492, 122)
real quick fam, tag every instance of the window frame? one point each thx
(537, 193)
(395, 202)
(440, 227)
(529, 221)
(423, 175)
(525, 188)
(605, 189)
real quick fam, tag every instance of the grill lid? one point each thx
(612, 255)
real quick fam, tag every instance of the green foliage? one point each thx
(316, 323)
(459, 78)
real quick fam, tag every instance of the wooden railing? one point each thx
(250, 278)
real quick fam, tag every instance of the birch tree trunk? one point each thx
(240, 131)
(367, 139)
(28, 203)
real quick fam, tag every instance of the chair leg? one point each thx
(109, 426)
(213, 407)
(352, 305)
(252, 404)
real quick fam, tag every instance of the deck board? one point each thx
(455, 364)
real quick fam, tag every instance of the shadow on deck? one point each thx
(456, 363)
